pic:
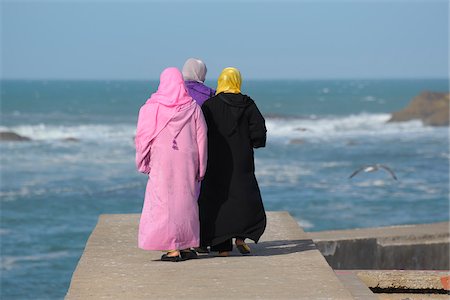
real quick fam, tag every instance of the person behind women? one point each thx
(171, 147)
(230, 201)
(194, 73)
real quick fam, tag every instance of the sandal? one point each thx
(203, 249)
(243, 248)
(188, 254)
(172, 258)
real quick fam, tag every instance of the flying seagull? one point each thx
(373, 168)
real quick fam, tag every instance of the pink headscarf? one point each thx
(171, 90)
(170, 102)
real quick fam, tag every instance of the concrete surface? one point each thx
(353, 283)
(413, 297)
(413, 247)
(285, 265)
(406, 280)
(396, 284)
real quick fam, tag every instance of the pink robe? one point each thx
(171, 147)
(169, 218)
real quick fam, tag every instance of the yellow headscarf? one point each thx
(229, 81)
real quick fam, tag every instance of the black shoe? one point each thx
(203, 249)
(188, 254)
(175, 258)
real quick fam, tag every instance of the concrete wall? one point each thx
(410, 247)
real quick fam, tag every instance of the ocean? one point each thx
(80, 164)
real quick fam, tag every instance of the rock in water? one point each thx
(296, 142)
(12, 136)
(430, 107)
(70, 139)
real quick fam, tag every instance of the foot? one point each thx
(223, 253)
(173, 253)
(239, 242)
(242, 247)
(173, 256)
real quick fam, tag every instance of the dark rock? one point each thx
(430, 107)
(12, 136)
(296, 142)
(71, 139)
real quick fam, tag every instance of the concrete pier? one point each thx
(285, 264)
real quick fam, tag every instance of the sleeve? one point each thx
(206, 114)
(142, 147)
(257, 127)
(202, 143)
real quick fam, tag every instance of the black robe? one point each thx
(230, 203)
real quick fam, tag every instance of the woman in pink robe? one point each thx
(171, 147)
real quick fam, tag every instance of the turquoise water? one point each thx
(319, 131)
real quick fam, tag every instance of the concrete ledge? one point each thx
(396, 284)
(406, 280)
(414, 247)
(355, 285)
(284, 265)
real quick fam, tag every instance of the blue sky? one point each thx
(270, 39)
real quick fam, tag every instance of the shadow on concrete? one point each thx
(268, 248)
(200, 256)
(281, 247)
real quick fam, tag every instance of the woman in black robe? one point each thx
(230, 203)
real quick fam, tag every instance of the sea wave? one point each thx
(10, 262)
(361, 125)
(4, 231)
(80, 132)
(31, 191)
(286, 128)
(69, 189)
(274, 173)
(305, 224)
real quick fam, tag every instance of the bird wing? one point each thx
(389, 170)
(357, 171)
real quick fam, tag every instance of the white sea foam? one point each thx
(34, 191)
(371, 183)
(305, 224)
(369, 99)
(4, 231)
(82, 132)
(9, 262)
(334, 164)
(272, 173)
(362, 125)
(312, 127)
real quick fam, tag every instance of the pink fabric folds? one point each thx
(171, 147)
(170, 99)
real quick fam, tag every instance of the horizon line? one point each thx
(245, 79)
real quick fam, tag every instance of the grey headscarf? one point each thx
(194, 69)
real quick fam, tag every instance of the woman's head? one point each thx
(170, 75)
(171, 90)
(194, 69)
(229, 81)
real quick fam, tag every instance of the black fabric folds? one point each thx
(230, 200)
